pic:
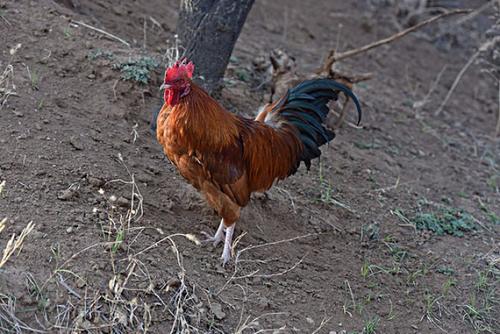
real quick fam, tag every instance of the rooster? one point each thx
(228, 157)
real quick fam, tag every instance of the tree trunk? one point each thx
(208, 30)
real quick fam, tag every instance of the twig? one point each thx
(398, 35)
(457, 80)
(70, 290)
(322, 324)
(276, 243)
(102, 32)
(351, 293)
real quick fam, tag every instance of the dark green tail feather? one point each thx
(306, 107)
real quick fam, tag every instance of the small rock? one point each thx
(172, 283)
(95, 181)
(143, 177)
(18, 113)
(216, 309)
(80, 283)
(91, 76)
(87, 325)
(69, 229)
(310, 321)
(123, 202)
(77, 145)
(60, 103)
(263, 302)
(66, 195)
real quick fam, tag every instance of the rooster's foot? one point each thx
(226, 254)
(217, 238)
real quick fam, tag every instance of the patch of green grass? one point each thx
(492, 182)
(40, 104)
(480, 311)
(242, 74)
(67, 32)
(445, 271)
(492, 216)
(120, 236)
(482, 281)
(36, 292)
(430, 301)
(371, 325)
(445, 221)
(389, 238)
(137, 69)
(34, 78)
(371, 231)
(326, 192)
(100, 53)
(450, 282)
(365, 269)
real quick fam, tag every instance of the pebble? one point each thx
(172, 283)
(60, 103)
(216, 309)
(66, 195)
(80, 283)
(95, 181)
(69, 229)
(123, 202)
(263, 302)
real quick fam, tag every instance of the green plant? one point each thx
(446, 271)
(445, 221)
(99, 53)
(450, 282)
(34, 78)
(242, 74)
(120, 236)
(67, 32)
(492, 216)
(365, 270)
(370, 325)
(137, 69)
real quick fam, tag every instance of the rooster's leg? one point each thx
(219, 235)
(226, 254)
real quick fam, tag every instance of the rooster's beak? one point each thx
(165, 86)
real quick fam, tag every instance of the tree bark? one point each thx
(208, 30)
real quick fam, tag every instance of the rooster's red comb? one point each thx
(182, 68)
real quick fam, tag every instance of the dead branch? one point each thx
(105, 33)
(354, 52)
(457, 80)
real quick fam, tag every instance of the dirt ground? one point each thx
(335, 250)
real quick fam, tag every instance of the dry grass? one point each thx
(7, 86)
(15, 243)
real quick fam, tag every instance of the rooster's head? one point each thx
(177, 83)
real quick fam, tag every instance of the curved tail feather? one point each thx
(306, 107)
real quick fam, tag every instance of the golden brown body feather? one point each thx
(225, 156)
